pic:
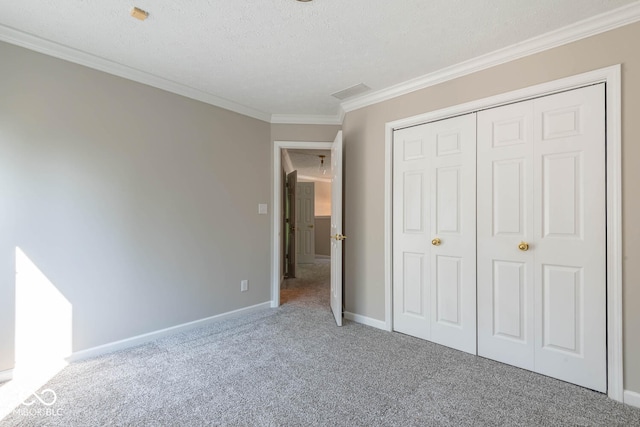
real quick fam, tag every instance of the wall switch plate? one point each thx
(262, 208)
(244, 285)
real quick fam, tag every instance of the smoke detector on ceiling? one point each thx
(351, 91)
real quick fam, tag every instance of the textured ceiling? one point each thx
(307, 163)
(287, 57)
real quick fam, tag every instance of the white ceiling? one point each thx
(284, 57)
(307, 163)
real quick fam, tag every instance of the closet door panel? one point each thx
(434, 284)
(411, 204)
(505, 219)
(570, 224)
(452, 222)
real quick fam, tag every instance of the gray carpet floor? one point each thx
(292, 366)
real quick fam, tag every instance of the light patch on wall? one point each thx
(43, 316)
(322, 199)
(43, 334)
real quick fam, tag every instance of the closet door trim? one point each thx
(612, 77)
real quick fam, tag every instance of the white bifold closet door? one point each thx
(541, 236)
(434, 232)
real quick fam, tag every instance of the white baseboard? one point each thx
(6, 375)
(375, 323)
(632, 398)
(141, 339)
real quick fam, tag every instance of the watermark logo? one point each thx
(47, 397)
(39, 404)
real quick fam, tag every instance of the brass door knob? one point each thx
(310, 225)
(523, 246)
(339, 237)
(436, 242)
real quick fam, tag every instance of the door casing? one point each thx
(612, 77)
(276, 203)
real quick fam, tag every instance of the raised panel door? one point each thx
(505, 218)
(452, 261)
(434, 198)
(570, 236)
(410, 230)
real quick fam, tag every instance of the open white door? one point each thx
(336, 228)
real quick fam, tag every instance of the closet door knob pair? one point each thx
(523, 246)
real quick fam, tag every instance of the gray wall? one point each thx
(136, 203)
(364, 142)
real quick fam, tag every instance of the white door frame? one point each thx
(276, 203)
(612, 77)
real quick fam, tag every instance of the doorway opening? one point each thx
(301, 213)
(336, 237)
(306, 207)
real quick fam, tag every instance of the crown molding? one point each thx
(582, 29)
(341, 114)
(29, 41)
(304, 119)
(577, 31)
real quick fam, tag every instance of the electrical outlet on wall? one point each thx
(244, 285)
